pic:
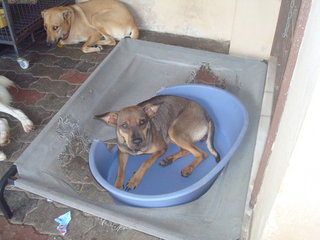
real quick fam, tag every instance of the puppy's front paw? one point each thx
(133, 183)
(118, 185)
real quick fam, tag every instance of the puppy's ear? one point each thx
(67, 13)
(151, 109)
(109, 118)
(42, 13)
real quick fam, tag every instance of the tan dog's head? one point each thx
(57, 23)
(133, 125)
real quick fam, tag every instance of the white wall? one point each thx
(200, 18)
(288, 204)
(249, 25)
(254, 27)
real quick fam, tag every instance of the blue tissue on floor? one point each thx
(63, 221)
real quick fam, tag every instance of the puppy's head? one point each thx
(57, 23)
(133, 125)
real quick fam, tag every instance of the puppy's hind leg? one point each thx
(184, 141)
(198, 154)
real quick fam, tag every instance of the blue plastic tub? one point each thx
(164, 186)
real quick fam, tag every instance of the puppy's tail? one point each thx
(5, 82)
(134, 32)
(210, 145)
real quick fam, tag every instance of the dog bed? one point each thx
(134, 71)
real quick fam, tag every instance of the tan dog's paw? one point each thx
(118, 185)
(133, 183)
(166, 161)
(91, 49)
(119, 182)
(186, 172)
(99, 48)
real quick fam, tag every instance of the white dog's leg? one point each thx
(4, 132)
(18, 114)
(4, 136)
(2, 156)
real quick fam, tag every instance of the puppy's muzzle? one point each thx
(137, 141)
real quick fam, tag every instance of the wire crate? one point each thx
(20, 18)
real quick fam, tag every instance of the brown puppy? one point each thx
(96, 22)
(148, 127)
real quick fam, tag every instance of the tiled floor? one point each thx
(53, 76)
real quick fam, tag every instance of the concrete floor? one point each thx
(53, 76)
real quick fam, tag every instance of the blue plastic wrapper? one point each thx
(63, 221)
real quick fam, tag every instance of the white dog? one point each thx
(5, 99)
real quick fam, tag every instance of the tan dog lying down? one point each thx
(96, 22)
(148, 127)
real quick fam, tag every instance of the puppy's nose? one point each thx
(49, 44)
(137, 141)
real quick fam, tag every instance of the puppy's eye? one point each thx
(55, 28)
(142, 122)
(124, 126)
